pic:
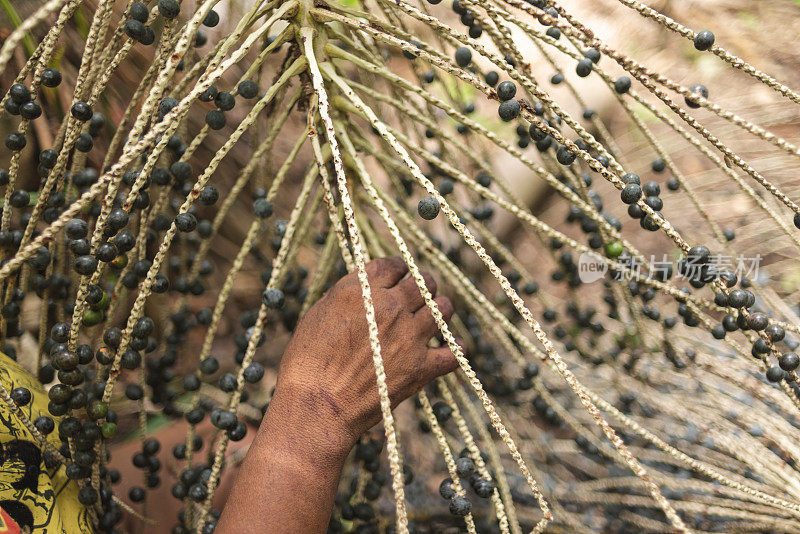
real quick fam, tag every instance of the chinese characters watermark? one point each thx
(593, 267)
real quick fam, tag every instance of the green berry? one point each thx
(614, 249)
(108, 429)
(97, 410)
(92, 317)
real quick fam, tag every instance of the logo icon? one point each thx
(591, 267)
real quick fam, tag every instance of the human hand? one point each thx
(326, 397)
(328, 364)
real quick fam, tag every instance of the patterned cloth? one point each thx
(32, 497)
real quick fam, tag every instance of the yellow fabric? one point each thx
(38, 499)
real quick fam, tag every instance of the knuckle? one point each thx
(378, 267)
(388, 305)
(430, 282)
(445, 305)
(336, 292)
(383, 267)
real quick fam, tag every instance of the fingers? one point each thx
(386, 272)
(410, 293)
(424, 318)
(440, 361)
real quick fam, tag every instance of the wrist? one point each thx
(297, 457)
(305, 422)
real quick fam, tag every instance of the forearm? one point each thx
(289, 478)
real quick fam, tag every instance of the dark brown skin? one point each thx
(326, 398)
